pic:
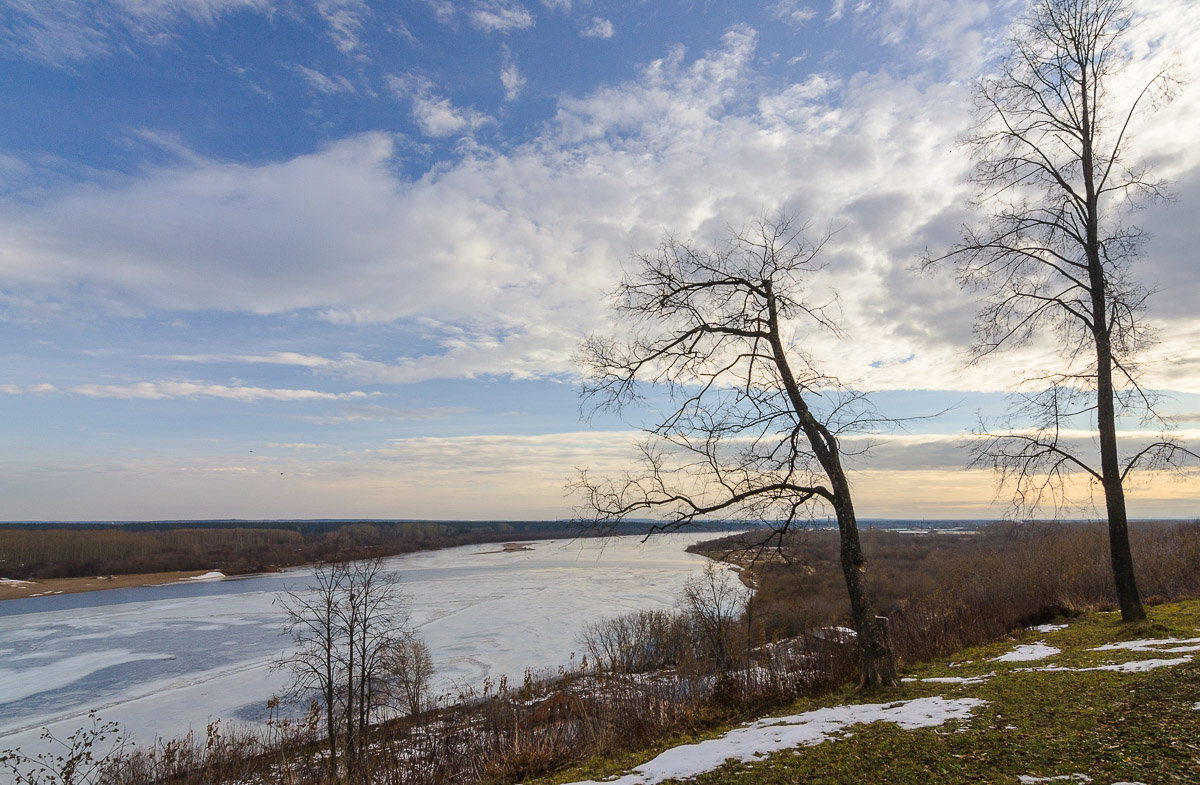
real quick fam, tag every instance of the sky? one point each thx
(334, 258)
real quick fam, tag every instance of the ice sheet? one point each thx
(163, 660)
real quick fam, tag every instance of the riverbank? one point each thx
(52, 551)
(1086, 699)
(15, 590)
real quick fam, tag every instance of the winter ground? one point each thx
(755, 742)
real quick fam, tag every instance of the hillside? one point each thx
(1084, 700)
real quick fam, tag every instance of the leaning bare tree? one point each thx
(1054, 253)
(751, 428)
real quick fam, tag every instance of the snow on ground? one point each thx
(774, 734)
(1026, 779)
(1178, 645)
(1028, 652)
(13, 582)
(956, 679)
(1136, 666)
(214, 575)
(1049, 627)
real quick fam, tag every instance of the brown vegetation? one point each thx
(71, 551)
(945, 591)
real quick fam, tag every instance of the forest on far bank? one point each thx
(42, 551)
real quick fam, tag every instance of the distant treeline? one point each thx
(38, 551)
(31, 551)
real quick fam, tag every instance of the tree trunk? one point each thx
(878, 660)
(1106, 421)
(1128, 596)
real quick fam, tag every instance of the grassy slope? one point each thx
(1111, 727)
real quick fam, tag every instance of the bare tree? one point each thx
(347, 627)
(739, 436)
(1054, 253)
(410, 667)
(714, 601)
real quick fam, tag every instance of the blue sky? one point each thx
(331, 258)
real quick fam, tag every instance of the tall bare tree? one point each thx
(751, 429)
(1054, 253)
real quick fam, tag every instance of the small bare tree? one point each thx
(1054, 254)
(410, 667)
(740, 437)
(715, 601)
(347, 627)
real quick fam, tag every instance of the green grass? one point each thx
(1111, 727)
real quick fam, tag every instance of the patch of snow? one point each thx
(774, 734)
(1137, 666)
(13, 582)
(1142, 665)
(1177, 645)
(1026, 779)
(213, 575)
(1028, 652)
(1197, 706)
(956, 679)
(1128, 783)
(1049, 627)
(836, 634)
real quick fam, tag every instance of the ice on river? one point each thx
(161, 660)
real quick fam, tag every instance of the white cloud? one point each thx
(793, 12)
(330, 85)
(66, 31)
(511, 78)
(504, 255)
(377, 413)
(500, 16)
(345, 20)
(953, 31)
(597, 28)
(273, 358)
(153, 391)
(443, 10)
(435, 114)
(69, 31)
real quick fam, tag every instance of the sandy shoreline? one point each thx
(17, 590)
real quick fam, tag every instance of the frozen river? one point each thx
(163, 659)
